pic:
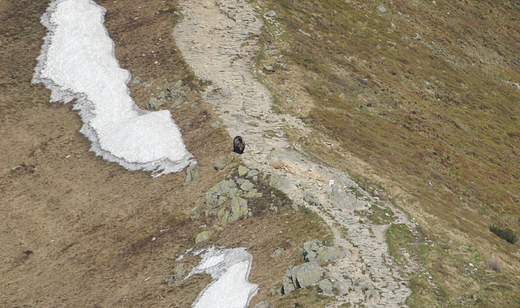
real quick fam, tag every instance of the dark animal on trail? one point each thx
(238, 145)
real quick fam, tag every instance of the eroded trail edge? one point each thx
(219, 41)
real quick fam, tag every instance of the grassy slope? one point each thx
(366, 78)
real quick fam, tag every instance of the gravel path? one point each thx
(219, 41)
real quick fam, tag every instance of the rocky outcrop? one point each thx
(317, 251)
(301, 276)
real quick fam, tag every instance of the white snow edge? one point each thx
(230, 269)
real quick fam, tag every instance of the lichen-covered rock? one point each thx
(178, 271)
(242, 170)
(288, 283)
(222, 188)
(316, 251)
(221, 163)
(203, 236)
(247, 186)
(308, 274)
(192, 172)
(238, 210)
(326, 287)
(252, 173)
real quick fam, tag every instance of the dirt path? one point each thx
(219, 41)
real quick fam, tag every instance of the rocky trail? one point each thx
(219, 41)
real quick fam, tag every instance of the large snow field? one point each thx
(78, 62)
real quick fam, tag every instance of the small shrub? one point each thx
(494, 265)
(503, 233)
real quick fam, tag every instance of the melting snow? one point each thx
(78, 62)
(230, 287)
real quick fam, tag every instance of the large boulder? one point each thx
(326, 287)
(308, 274)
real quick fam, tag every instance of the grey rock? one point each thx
(217, 124)
(37, 151)
(308, 274)
(277, 252)
(155, 103)
(316, 251)
(341, 287)
(192, 172)
(372, 295)
(262, 305)
(417, 37)
(309, 197)
(252, 173)
(203, 236)
(177, 85)
(270, 13)
(137, 80)
(304, 33)
(276, 290)
(221, 163)
(268, 68)
(288, 283)
(247, 186)
(238, 209)
(280, 182)
(326, 287)
(179, 271)
(428, 84)
(222, 188)
(242, 170)
(381, 9)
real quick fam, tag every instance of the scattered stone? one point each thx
(155, 103)
(242, 170)
(37, 151)
(195, 215)
(381, 9)
(326, 287)
(247, 186)
(192, 172)
(252, 173)
(304, 33)
(417, 37)
(428, 84)
(203, 236)
(221, 163)
(179, 271)
(270, 13)
(268, 68)
(238, 210)
(341, 287)
(276, 290)
(278, 252)
(137, 80)
(217, 124)
(288, 283)
(262, 305)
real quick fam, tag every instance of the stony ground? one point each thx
(219, 41)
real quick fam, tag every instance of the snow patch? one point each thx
(230, 270)
(78, 61)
